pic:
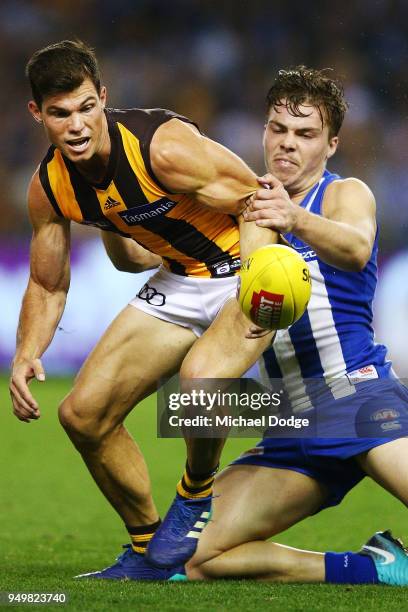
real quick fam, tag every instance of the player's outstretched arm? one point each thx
(342, 237)
(185, 161)
(43, 301)
(127, 255)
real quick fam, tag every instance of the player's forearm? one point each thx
(40, 314)
(231, 182)
(252, 237)
(226, 195)
(187, 162)
(337, 243)
(144, 262)
(127, 255)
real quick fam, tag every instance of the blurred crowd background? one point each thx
(214, 62)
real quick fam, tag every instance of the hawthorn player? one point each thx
(149, 175)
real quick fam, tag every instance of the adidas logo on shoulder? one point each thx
(110, 203)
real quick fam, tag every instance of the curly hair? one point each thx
(300, 85)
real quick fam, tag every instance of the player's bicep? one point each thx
(50, 244)
(175, 152)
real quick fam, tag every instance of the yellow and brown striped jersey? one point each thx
(192, 240)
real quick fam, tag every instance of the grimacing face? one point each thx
(74, 121)
(296, 149)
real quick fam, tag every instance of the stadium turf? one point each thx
(55, 524)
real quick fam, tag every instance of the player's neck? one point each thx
(94, 169)
(298, 192)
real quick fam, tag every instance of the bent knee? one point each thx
(204, 564)
(196, 570)
(195, 367)
(81, 422)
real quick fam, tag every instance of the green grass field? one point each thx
(55, 524)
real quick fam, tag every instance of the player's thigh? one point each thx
(387, 464)
(223, 351)
(255, 503)
(134, 354)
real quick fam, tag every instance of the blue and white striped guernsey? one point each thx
(334, 338)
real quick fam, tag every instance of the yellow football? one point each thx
(275, 286)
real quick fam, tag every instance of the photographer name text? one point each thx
(238, 421)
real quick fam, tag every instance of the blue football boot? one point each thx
(176, 539)
(134, 566)
(390, 558)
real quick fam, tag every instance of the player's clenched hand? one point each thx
(25, 406)
(270, 206)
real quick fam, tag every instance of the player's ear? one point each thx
(103, 96)
(332, 146)
(34, 111)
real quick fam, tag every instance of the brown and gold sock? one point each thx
(141, 536)
(196, 486)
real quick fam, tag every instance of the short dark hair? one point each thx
(61, 67)
(299, 85)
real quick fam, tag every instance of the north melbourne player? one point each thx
(149, 175)
(330, 220)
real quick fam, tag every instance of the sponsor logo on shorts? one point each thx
(145, 212)
(151, 296)
(266, 308)
(386, 414)
(366, 373)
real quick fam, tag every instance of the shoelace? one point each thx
(183, 518)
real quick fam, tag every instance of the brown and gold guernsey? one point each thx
(192, 240)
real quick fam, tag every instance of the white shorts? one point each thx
(191, 302)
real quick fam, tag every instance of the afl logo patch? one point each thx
(386, 414)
